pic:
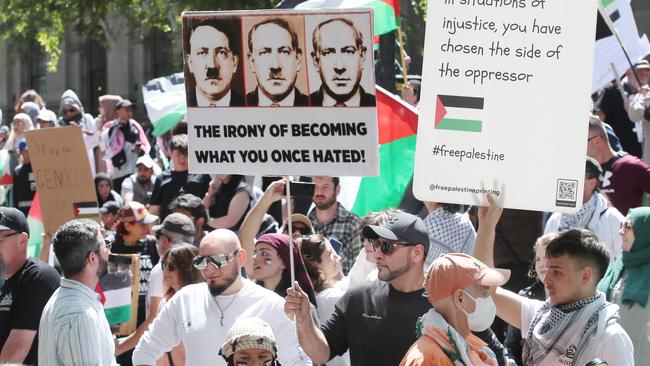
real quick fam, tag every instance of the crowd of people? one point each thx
(414, 285)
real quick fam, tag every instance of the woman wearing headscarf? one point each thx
(272, 267)
(104, 190)
(627, 281)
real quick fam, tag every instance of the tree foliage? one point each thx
(47, 21)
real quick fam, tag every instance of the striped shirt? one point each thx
(74, 329)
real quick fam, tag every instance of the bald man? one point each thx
(200, 315)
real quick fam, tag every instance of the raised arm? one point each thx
(507, 302)
(251, 224)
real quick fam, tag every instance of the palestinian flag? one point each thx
(6, 178)
(88, 210)
(115, 288)
(397, 124)
(164, 99)
(36, 228)
(459, 113)
(386, 11)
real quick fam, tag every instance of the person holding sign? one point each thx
(375, 322)
(212, 61)
(575, 325)
(275, 58)
(339, 54)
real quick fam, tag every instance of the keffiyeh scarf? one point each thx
(433, 325)
(564, 331)
(583, 216)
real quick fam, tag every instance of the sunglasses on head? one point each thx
(170, 266)
(387, 247)
(219, 260)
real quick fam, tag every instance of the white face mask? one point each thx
(483, 315)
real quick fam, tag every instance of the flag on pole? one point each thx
(164, 99)
(397, 125)
(386, 17)
(36, 228)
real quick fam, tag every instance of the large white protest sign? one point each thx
(281, 92)
(505, 102)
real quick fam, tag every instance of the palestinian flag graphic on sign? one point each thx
(85, 209)
(459, 113)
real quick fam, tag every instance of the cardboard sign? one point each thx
(64, 181)
(281, 92)
(505, 102)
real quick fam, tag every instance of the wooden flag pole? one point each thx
(401, 55)
(290, 230)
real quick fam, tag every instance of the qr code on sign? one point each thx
(567, 192)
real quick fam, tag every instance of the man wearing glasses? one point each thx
(212, 60)
(200, 315)
(26, 284)
(73, 322)
(377, 321)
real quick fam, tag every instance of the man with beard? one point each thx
(275, 58)
(200, 315)
(332, 220)
(339, 54)
(73, 321)
(376, 321)
(26, 284)
(212, 62)
(139, 185)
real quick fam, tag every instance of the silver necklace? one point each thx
(222, 310)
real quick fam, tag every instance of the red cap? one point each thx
(456, 271)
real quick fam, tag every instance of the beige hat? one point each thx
(248, 333)
(301, 219)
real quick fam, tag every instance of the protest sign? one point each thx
(608, 50)
(264, 90)
(505, 102)
(63, 177)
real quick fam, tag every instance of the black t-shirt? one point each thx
(611, 103)
(376, 323)
(222, 202)
(170, 185)
(22, 299)
(146, 249)
(24, 188)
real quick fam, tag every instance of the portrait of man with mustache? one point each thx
(275, 58)
(212, 58)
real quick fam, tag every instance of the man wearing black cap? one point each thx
(26, 284)
(377, 321)
(126, 143)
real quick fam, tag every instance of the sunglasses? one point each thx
(219, 260)
(387, 247)
(304, 230)
(170, 266)
(625, 225)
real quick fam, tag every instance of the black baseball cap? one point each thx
(124, 103)
(593, 169)
(176, 223)
(110, 207)
(400, 227)
(13, 219)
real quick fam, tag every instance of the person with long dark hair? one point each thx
(178, 272)
(227, 201)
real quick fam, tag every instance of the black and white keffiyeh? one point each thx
(448, 233)
(581, 218)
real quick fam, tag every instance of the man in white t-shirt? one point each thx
(575, 325)
(200, 315)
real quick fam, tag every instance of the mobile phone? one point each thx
(301, 189)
